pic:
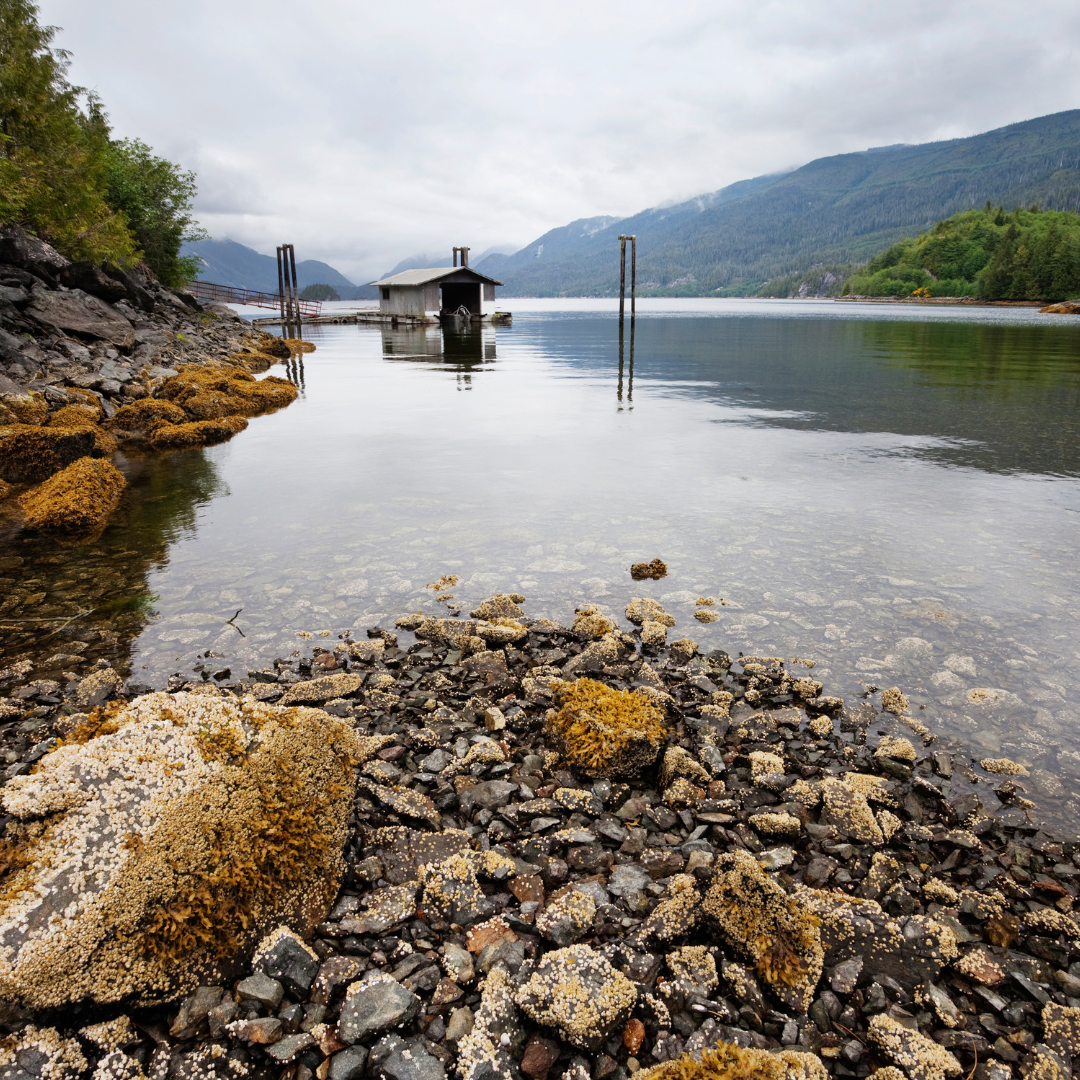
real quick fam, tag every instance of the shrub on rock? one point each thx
(155, 847)
(77, 499)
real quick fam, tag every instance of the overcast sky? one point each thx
(367, 132)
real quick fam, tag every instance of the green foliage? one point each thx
(1024, 255)
(64, 179)
(818, 281)
(319, 292)
(53, 150)
(155, 196)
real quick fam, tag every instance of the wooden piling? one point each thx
(622, 279)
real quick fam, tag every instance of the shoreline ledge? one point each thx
(516, 848)
(115, 361)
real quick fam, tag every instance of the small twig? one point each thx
(850, 1032)
(971, 1075)
(229, 622)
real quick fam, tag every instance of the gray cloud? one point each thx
(361, 132)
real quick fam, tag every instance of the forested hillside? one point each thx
(988, 253)
(834, 211)
(63, 176)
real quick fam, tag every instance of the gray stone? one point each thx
(290, 1047)
(412, 1062)
(844, 977)
(261, 988)
(78, 312)
(776, 858)
(375, 1006)
(436, 761)
(348, 1064)
(627, 879)
(194, 1011)
(491, 794)
(290, 963)
(461, 1023)
(459, 964)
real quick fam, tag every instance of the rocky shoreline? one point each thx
(577, 851)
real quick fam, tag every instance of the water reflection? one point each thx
(630, 384)
(463, 348)
(1001, 398)
(44, 583)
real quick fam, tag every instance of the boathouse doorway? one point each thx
(459, 294)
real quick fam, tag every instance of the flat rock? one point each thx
(316, 691)
(78, 313)
(373, 1006)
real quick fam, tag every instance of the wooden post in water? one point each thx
(633, 289)
(622, 278)
(295, 290)
(280, 284)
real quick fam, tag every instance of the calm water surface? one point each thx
(893, 492)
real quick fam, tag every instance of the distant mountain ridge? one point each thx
(839, 209)
(225, 262)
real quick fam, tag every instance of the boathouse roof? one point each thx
(422, 277)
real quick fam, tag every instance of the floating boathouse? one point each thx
(439, 292)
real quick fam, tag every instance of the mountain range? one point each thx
(225, 262)
(835, 210)
(762, 234)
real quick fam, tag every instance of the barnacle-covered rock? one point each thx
(726, 1061)
(576, 991)
(911, 950)
(607, 732)
(156, 846)
(920, 1056)
(776, 932)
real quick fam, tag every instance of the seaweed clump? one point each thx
(197, 433)
(774, 931)
(30, 454)
(607, 732)
(76, 499)
(726, 1061)
(199, 390)
(652, 571)
(146, 415)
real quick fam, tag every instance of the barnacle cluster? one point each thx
(774, 931)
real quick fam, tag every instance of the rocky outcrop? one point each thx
(156, 845)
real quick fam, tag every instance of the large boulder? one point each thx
(154, 847)
(19, 248)
(30, 454)
(78, 313)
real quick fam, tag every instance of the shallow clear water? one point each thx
(890, 491)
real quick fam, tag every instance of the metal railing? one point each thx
(207, 290)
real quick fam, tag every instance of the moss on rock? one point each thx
(173, 844)
(607, 732)
(77, 499)
(146, 415)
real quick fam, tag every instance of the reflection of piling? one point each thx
(630, 385)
